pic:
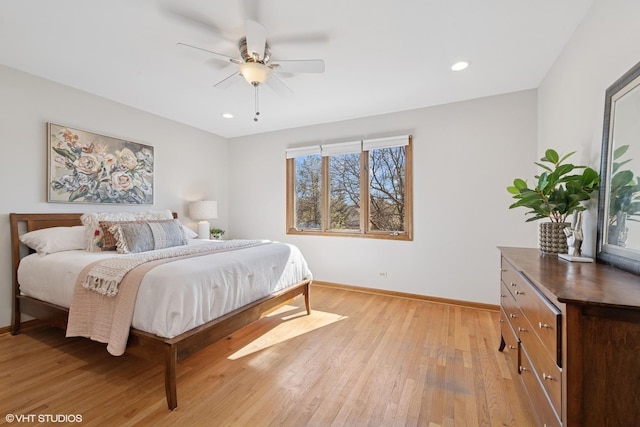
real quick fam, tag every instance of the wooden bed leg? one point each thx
(16, 318)
(307, 303)
(171, 361)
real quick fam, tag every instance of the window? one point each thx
(359, 188)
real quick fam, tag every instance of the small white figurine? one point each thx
(574, 235)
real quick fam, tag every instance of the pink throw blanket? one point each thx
(107, 319)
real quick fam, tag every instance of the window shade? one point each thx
(341, 148)
(394, 141)
(302, 151)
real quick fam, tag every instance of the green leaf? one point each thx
(590, 178)
(551, 156)
(513, 190)
(566, 156)
(519, 183)
(543, 181)
(543, 166)
(617, 166)
(564, 169)
(619, 151)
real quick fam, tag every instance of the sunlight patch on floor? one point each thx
(292, 325)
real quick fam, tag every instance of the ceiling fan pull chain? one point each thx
(255, 119)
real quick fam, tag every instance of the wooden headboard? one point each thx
(24, 222)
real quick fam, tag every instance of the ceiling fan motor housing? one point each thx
(248, 57)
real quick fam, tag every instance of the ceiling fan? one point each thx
(256, 66)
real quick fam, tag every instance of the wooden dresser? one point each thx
(571, 334)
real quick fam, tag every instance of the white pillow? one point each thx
(94, 234)
(189, 233)
(55, 239)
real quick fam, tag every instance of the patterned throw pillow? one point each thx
(94, 233)
(143, 236)
(109, 241)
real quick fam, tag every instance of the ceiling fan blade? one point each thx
(299, 66)
(256, 38)
(193, 19)
(278, 86)
(215, 54)
(228, 81)
(251, 9)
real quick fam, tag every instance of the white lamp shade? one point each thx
(201, 211)
(205, 209)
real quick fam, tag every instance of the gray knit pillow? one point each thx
(143, 236)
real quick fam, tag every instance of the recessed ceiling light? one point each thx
(227, 116)
(458, 66)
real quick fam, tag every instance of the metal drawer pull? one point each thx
(521, 329)
(513, 284)
(544, 325)
(523, 369)
(500, 320)
(513, 316)
(512, 347)
(519, 293)
(547, 377)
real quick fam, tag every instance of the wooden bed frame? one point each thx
(169, 351)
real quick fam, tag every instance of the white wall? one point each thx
(189, 164)
(465, 155)
(571, 97)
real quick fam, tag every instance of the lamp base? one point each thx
(203, 230)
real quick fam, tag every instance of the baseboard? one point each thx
(447, 301)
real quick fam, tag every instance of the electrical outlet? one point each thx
(382, 274)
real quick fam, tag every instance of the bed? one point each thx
(172, 339)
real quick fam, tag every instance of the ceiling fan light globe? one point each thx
(255, 73)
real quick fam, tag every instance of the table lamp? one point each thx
(202, 211)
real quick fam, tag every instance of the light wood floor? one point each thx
(357, 360)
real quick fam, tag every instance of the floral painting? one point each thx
(85, 167)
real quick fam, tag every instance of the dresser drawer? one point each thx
(542, 407)
(543, 316)
(509, 275)
(545, 368)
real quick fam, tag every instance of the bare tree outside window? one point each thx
(308, 192)
(387, 188)
(344, 202)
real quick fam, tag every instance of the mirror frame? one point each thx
(619, 257)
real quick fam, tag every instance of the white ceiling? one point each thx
(381, 55)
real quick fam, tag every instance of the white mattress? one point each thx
(177, 296)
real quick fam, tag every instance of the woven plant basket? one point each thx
(552, 238)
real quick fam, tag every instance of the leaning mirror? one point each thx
(618, 238)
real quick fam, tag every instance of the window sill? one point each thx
(382, 236)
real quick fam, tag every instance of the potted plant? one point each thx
(558, 193)
(624, 199)
(216, 233)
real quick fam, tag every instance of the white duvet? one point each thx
(180, 295)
